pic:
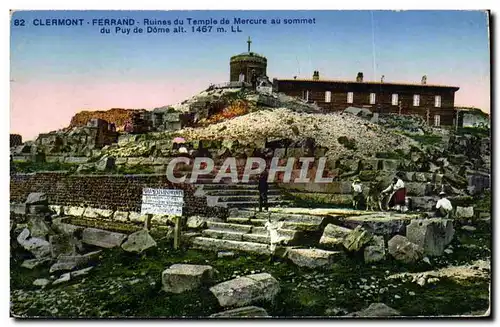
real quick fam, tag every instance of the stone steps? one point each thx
(241, 192)
(251, 204)
(206, 243)
(247, 198)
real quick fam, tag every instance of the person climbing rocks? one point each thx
(357, 193)
(263, 189)
(397, 200)
(443, 206)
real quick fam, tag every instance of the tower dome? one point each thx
(246, 65)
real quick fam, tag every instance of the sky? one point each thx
(57, 71)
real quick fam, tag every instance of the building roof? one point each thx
(248, 54)
(364, 82)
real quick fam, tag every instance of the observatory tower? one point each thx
(247, 64)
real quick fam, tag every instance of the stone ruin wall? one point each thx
(112, 192)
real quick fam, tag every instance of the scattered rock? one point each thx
(431, 234)
(139, 242)
(41, 282)
(245, 290)
(61, 244)
(411, 293)
(71, 262)
(357, 239)
(376, 310)
(225, 254)
(80, 272)
(375, 251)
(38, 227)
(32, 263)
(448, 251)
(179, 278)
(312, 258)
(402, 249)
(247, 312)
(426, 260)
(38, 247)
(64, 278)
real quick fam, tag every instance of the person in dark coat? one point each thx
(263, 189)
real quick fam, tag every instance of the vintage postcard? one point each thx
(250, 164)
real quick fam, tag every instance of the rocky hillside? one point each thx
(116, 115)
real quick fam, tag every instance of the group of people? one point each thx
(397, 199)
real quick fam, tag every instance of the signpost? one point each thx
(163, 202)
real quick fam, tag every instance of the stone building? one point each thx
(247, 66)
(435, 103)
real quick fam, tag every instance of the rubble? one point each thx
(431, 234)
(180, 278)
(138, 242)
(357, 239)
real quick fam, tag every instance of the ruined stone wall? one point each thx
(114, 192)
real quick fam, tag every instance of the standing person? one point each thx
(263, 189)
(443, 206)
(398, 194)
(357, 193)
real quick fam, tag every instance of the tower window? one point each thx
(350, 97)
(395, 99)
(437, 101)
(416, 100)
(372, 98)
(328, 96)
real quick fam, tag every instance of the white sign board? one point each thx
(162, 201)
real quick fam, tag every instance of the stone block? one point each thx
(74, 211)
(97, 213)
(464, 212)
(313, 258)
(136, 217)
(245, 290)
(431, 234)
(375, 251)
(19, 208)
(180, 278)
(57, 210)
(102, 238)
(138, 242)
(357, 239)
(121, 216)
(404, 250)
(333, 235)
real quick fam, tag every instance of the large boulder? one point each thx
(385, 223)
(246, 312)
(180, 278)
(375, 251)
(333, 235)
(357, 239)
(403, 250)
(431, 234)
(102, 238)
(245, 290)
(37, 198)
(40, 248)
(376, 310)
(139, 242)
(313, 258)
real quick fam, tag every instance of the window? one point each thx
(350, 97)
(394, 99)
(305, 95)
(437, 101)
(372, 98)
(416, 100)
(328, 96)
(437, 120)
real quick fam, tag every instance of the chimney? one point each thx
(316, 75)
(424, 79)
(359, 78)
